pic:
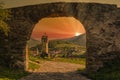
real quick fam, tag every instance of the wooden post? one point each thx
(26, 58)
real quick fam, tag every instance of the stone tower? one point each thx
(44, 41)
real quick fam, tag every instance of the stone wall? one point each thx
(101, 22)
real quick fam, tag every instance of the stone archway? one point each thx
(100, 21)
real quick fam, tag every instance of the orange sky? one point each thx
(57, 28)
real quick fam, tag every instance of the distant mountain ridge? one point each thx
(33, 43)
(80, 40)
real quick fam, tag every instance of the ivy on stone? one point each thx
(4, 16)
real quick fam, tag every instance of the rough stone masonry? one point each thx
(101, 21)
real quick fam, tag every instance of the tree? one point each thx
(4, 16)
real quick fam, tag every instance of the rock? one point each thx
(101, 22)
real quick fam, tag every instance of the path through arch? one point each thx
(50, 70)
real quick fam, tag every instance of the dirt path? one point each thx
(50, 70)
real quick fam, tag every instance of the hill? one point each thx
(76, 40)
(80, 40)
(33, 43)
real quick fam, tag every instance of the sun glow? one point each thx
(77, 34)
(58, 28)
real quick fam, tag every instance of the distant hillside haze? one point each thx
(33, 43)
(80, 40)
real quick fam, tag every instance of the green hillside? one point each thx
(60, 43)
(33, 43)
(80, 40)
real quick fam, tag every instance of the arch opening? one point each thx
(101, 29)
(66, 40)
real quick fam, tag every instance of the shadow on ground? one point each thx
(55, 76)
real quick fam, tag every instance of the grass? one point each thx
(69, 60)
(33, 66)
(78, 60)
(35, 63)
(38, 59)
(72, 60)
(9, 74)
(34, 59)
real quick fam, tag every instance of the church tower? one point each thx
(44, 51)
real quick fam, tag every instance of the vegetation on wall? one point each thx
(4, 16)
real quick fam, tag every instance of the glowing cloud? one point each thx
(58, 28)
(77, 34)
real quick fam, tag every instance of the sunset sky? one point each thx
(58, 28)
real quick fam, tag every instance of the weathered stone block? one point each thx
(101, 22)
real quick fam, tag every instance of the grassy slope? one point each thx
(70, 60)
(33, 66)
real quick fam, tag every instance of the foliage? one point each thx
(8, 74)
(4, 15)
(38, 59)
(34, 59)
(64, 46)
(33, 66)
(55, 43)
(69, 60)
